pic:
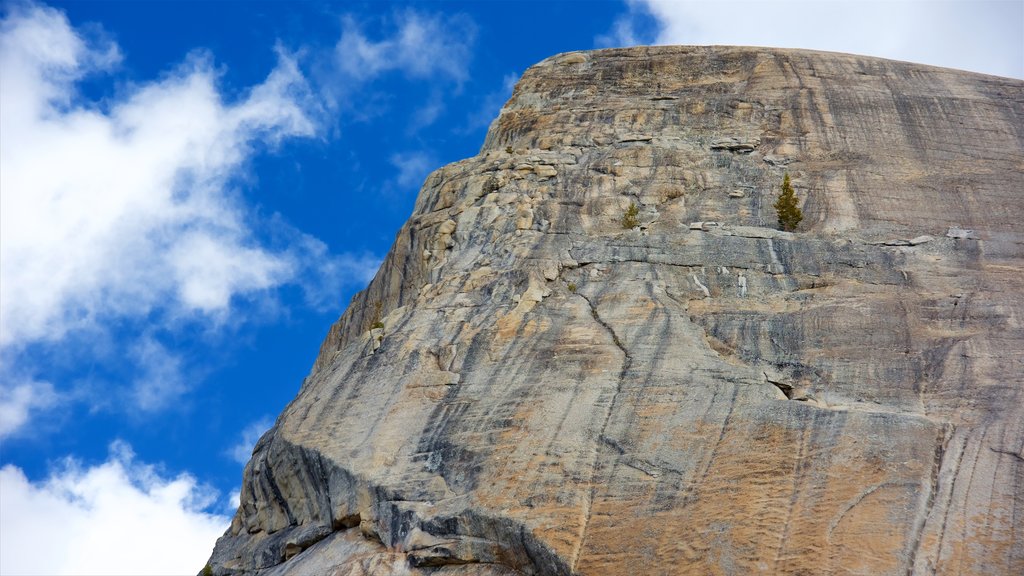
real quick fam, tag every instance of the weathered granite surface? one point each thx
(553, 394)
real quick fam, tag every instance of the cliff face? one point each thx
(703, 394)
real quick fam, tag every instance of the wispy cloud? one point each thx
(19, 399)
(242, 450)
(412, 168)
(161, 380)
(118, 517)
(491, 104)
(428, 113)
(980, 35)
(420, 45)
(633, 28)
(333, 273)
(431, 51)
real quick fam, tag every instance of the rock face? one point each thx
(551, 393)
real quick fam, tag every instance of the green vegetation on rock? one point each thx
(629, 219)
(786, 206)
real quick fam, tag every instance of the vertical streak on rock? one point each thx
(706, 467)
(941, 444)
(798, 472)
(627, 361)
(967, 495)
(960, 446)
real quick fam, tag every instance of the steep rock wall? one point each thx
(553, 394)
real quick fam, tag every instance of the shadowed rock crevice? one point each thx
(390, 523)
(785, 388)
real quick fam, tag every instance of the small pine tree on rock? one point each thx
(629, 218)
(789, 213)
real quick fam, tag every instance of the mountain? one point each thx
(535, 384)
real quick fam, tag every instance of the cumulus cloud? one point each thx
(423, 46)
(112, 212)
(979, 35)
(130, 211)
(118, 517)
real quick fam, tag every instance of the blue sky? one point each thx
(190, 193)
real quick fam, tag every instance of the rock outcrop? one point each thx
(526, 387)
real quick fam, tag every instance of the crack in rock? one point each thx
(627, 362)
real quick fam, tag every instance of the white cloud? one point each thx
(127, 213)
(242, 451)
(20, 400)
(114, 211)
(211, 271)
(234, 501)
(979, 35)
(119, 517)
(422, 46)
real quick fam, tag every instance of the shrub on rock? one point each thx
(786, 206)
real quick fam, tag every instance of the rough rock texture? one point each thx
(703, 394)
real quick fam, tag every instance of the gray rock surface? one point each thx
(553, 394)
